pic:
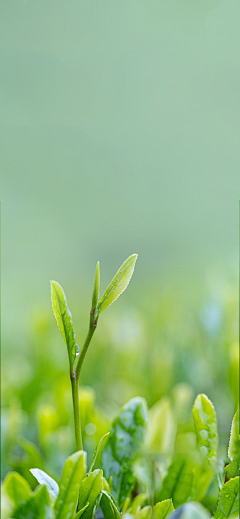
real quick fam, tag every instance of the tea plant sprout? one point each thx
(65, 323)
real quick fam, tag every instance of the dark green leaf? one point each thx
(178, 484)
(99, 446)
(205, 422)
(118, 284)
(126, 436)
(44, 479)
(228, 500)
(64, 319)
(108, 506)
(89, 491)
(73, 472)
(37, 507)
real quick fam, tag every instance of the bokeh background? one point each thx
(119, 134)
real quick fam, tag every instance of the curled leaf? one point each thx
(64, 319)
(96, 287)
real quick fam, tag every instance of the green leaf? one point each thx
(108, 506)
(80, 512)
(161, 430)
(99, 446)
(96, 287)
(17, 488)
(73, 472)
(163, 509)
(126, 436)
(234, 442)
(89, 491)
(228, 500)
(190, 511)
(178, 484)
(144, 513)
(64, 319)
(37, 507)
(44, 479)
(118, 284)
(205, 422)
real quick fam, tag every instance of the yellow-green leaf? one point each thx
(64, 319)
(73, 472)
(96, 287)
(118, 284)
(205, 422)
(163, 509)
(234, 443)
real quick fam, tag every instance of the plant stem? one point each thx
(76, 412)
(75, 384)
(84, 351)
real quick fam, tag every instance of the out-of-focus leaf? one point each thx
(118, 284)
(126, 436)
(99, 446)
(73, 472)
(108, 506)
(163, 509)
(144, 513)
(137, 503)
(161, 430)
(89, 491)
(96, 287)
(80, 512)
(190, 511)
(228, 500)
(44, 479)
(205, 422)
(234, 442)
(17, 488)
(37, 507)
(64, 319)
(178, 484)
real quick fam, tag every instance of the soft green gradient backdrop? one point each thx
(119, 134)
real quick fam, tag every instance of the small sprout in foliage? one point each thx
(73, 473)
(65, 324)
(44, 479)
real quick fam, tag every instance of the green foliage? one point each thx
(124, 442)
(118, 284)
(44, 479)
(205, 422)
(228, 500)
(17, 488)
(89, 491)
(178, 484)
(73, 472)
(99, 447)
(234, 443)
(163, 509)
(108, 506)
(64, 319)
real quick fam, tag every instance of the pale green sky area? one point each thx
(119, 134)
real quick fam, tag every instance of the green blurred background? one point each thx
(119, 134)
